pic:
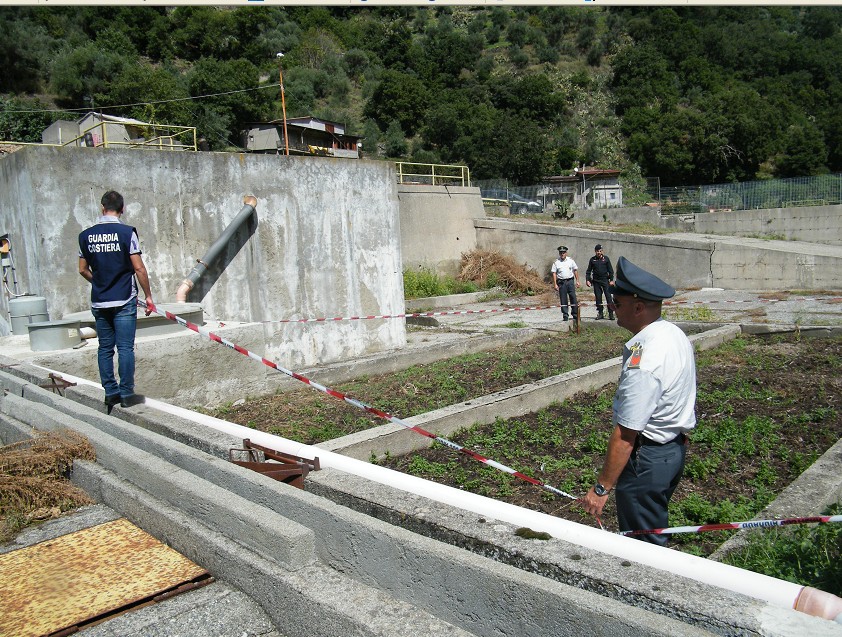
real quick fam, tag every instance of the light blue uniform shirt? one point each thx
(656, 393)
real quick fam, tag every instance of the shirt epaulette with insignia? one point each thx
(636, 355)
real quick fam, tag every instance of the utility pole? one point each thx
(283, 103)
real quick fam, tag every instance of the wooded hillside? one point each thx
(689, 94)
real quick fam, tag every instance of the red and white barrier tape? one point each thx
(390, 316)
(799, 299)
(537, 307)
(352, 401)
(726, 526)
(457, 447)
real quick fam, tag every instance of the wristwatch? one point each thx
(600, 490)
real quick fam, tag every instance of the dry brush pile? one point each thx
(480, 266)
(33, 478)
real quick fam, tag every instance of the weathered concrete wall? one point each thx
(437, 225)
(641, 214)
(817, 224)
(326, 242)
(684, 260)
(755, 264)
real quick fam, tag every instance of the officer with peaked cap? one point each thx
(653, 408)
(600, 275)
(565, 275)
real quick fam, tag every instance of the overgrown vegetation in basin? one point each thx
(758, 431)
(807, 555)
(767, 409)
(311, 417)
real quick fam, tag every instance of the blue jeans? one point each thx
(115, 327)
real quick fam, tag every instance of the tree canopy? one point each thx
(697, 94)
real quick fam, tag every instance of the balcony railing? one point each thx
(161, 138)
(433, 174)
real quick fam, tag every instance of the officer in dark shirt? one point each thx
(600, 275)
(109, 259)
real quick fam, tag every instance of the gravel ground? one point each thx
(713, 305)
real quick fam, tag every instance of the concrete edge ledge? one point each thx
(447, 300)
(313, 601)
(388, 561)
(808, 331)
(270, 534)
(693, 603)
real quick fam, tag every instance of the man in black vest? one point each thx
(600, 275)
(110, 259)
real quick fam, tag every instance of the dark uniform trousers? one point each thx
(600, 288)
(646, 485)
(567, 290)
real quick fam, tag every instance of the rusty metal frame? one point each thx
(195, 583)
(283, 467)
(57, 384)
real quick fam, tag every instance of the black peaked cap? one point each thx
(631, 279)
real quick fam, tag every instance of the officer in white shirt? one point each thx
(564, 273)
(654, 408)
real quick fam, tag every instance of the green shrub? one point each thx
(424, 282)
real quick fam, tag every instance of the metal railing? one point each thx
(433, 174)
(161, 138)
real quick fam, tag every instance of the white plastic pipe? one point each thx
(769, 589)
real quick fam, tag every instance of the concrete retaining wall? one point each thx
(640, 214)
(683, 260)
(326, 241)
(755, 264)
(437, 225)
(817, 224)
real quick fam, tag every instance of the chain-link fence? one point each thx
(519, 199)
(820, 190)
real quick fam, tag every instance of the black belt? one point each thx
(648, 442)
(565, 280)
